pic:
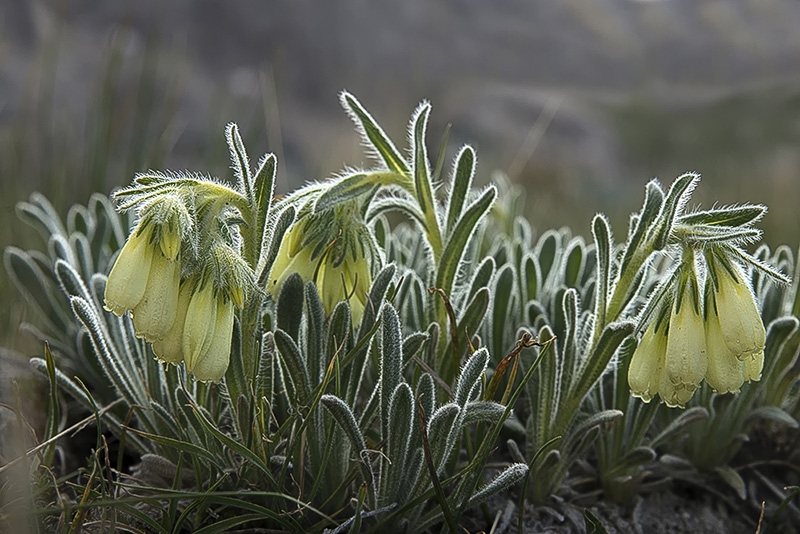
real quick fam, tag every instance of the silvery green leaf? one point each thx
(354, 186)
(574, 260)
(470, 376)
(727, 216)
(456, 245)
(507, 478)
(441, 425)
(83, 254)
(636, 457)
(79, 219)
(347, 422)
(674, 203)
(780, 357)
(774, 414)
(420, 170)
(374, 135)
(679, 424)
(603, 245)
(469, 323)
(315, 334)
(463, 173)
(702, 234)
(289, 308)
(391, 361)
(641, 226)
(294, 364)
(482, 276)
(531, 276)
(568, 362)
(732, 479)
(575, 439)
(757, 264)
(610, 339)
(389, 203)
(58, 247)
(483, 411)
(401, 422)
(108, 227)
(377, 292)
(265, 377)
(503, 310)
(235, 380)
(128, 386)
(264, 189)
(548, 250)
(71, 282)
(338, 332)
(272, 243)
(239, 161)
(413, 344)
(41, 214)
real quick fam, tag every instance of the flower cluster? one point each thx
(180, 301)
(333, 249)
(719, 338)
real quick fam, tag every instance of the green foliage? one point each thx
(387, 418)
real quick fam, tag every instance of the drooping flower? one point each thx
(739, 320)
(127, 280)
(647, 363)
(334, 250)
(735, 334)
(146, 274)
(671, 357)
(685, 361)
(198, 328)
(210, 364)
(169, 349)
(154, 315)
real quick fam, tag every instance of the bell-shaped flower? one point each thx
(739, 320)
(155, 313)
(127, 280)
(169, 348)
(198, 329)
(211, 364)
(685, 361)
(725, 373)
(647, 363)
(333, 253)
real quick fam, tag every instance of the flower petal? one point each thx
(211, 365)
(647, 363)
(155, 313)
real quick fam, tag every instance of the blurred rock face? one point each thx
(615, 75)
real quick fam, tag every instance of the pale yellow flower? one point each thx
(725, 372)
(198, 329)
(169, 349)
(211, 364)
(127, 280)
(155, 313)
(350, 279)
(685, 361)
(647, 363)
(739, 320)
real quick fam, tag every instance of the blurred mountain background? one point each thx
(580, 102)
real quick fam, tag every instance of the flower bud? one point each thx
(647, 363)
